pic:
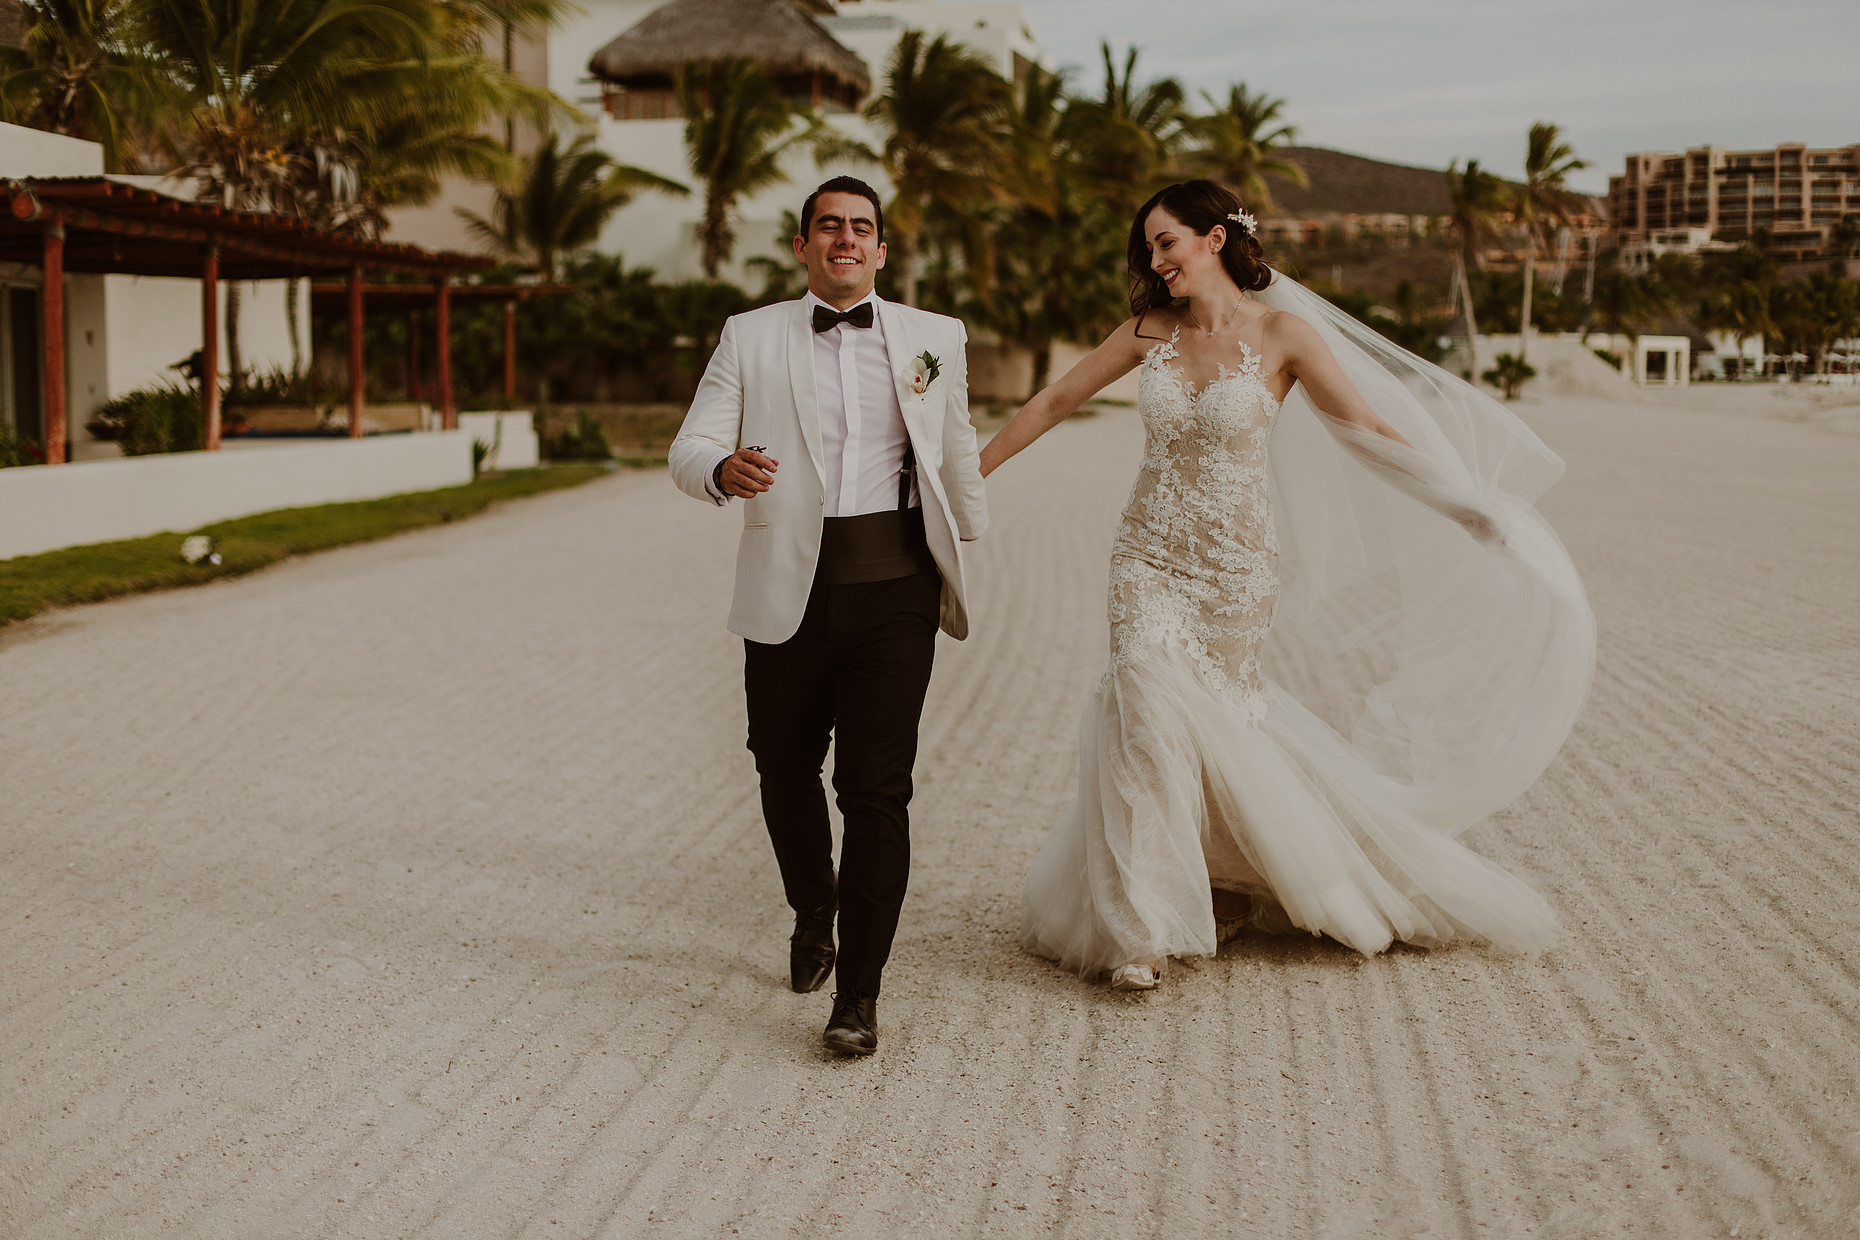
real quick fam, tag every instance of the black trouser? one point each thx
(856, 671)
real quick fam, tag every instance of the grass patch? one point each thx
(30, 584)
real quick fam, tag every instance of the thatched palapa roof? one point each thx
(776, 34)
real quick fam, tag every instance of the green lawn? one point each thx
(30, 584)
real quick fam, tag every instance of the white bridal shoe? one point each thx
(1136, 977)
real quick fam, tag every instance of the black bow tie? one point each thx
(826, 318)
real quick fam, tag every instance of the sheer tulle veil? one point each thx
(1455, 668)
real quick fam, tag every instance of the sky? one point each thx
(1428, 81)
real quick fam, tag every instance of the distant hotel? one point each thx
(1709, 196)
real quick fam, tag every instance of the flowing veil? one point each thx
(1454, 667)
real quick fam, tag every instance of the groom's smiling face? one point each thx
(841, 249)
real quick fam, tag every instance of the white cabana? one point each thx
(1662, 361)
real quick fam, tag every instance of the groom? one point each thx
(842, 422)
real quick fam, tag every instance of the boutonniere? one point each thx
(922, 372)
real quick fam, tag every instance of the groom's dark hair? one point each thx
(842, 185)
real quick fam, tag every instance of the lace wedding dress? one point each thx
(1196, 770)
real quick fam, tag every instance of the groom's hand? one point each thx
(746, 473)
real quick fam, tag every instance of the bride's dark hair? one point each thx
(1200, 205)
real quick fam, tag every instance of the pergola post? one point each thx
(357, 376)
(510, 352)
(210, 349)
(52, 314)
(448, 410)
(413, 356)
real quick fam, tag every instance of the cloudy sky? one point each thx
(1426, 81)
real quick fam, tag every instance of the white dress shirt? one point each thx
(862, 435)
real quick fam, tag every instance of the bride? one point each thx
(1315, 500)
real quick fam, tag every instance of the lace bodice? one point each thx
(1195, 563)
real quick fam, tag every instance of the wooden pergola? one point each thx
(409, 299)
(99, 225)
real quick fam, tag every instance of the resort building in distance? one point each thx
(1711, 197)
(615, 60)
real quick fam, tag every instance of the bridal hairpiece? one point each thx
(1244, 220)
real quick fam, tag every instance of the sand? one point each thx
(419, 889)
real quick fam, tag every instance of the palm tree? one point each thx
(1475, 198)
(1126, 139)
(940, 113)
(1543, 198)
(78, 72)
(1740, 295)
(1239, 144)
(1054, 268)
(558, 202)
(738, 128)
(333, 110)
(1628, 301)
(1844, 237)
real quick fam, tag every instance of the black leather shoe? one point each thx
(810, 951)
(853, 1027)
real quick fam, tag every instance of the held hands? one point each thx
(746, 473)
(1479, 524)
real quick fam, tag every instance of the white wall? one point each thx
(133, 497)
(34, 153)
(154, 321)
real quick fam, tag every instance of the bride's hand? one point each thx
(1479, 524)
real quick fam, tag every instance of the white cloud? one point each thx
(1426, 81)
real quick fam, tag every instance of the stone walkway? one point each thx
(419, 889)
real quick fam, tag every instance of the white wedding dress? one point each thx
(1438, 675)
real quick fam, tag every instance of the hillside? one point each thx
(1357, 185)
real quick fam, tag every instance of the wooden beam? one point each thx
(413, 356)
(331, 255)
(210, 347)
(510, 352)
(448, 410)
(52, 327)
(357, 373)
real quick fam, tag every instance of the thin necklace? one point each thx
(1197, 322)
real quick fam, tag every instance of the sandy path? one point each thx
(418, 889)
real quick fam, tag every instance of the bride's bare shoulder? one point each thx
(1142, 332)
(1290, 336)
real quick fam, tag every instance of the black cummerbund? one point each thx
(875, 546)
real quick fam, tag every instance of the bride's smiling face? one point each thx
(1187, 263)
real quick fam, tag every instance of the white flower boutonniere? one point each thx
(922, 372)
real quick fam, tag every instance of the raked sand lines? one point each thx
(419, 889)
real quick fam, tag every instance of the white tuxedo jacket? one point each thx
(759, 389)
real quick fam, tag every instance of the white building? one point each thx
(122, 332)
(657, 230)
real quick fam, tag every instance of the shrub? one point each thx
(17, 451)
(586, 440)
(278, 386)
(1509, 374)
(162, 418)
